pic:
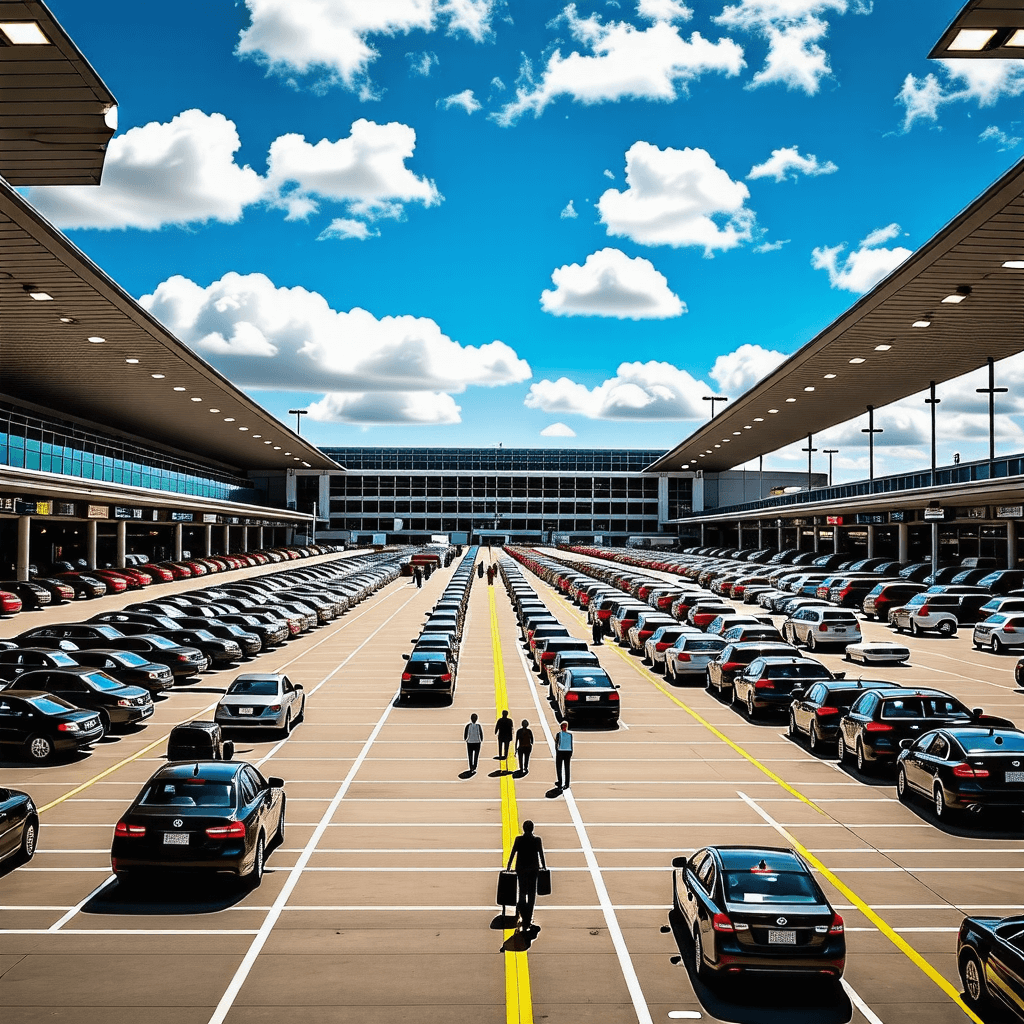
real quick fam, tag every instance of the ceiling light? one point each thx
(735, 433)
(287, 453)
(809, 389)
(773, 410)
(158, 376)
(759, 419)
(196, 399)
(229, 419)
(277, 447)
(131, 361)
(718, 446)
(38, 294)
(243, 428)
(296, 459)
(882, 348)
(1014, 264)
(917, 323)
(1017, 39)
(24, 33)
(856, 360)
(256, 437)
(709, 451)
(747, 427)
(68, 320)
(97, 340)
(790, 399)
(954, 299)
(181, 389)
(700, 455)
(830, 376)
(972, 39)
(726, 440)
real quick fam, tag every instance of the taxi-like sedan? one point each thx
(768, 683)
(964, 769)
(756, 909)
(585, 693)
(200, 816)
(990, 957)
(816, 710)
(661, 641)
(261, 700)
(688, 659)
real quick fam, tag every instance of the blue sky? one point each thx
(414, 216)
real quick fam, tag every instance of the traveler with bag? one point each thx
(528, 854)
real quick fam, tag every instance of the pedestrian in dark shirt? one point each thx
(479, 570)
(597, 631)
(490, 577)
(429, 569)
(528, 853)
(418, 576)
(524, 746)
(473, 734)
(503, 730)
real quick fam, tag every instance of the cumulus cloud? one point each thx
(1004, 141)
(736, 371)
(558, 430)
(638, 391)
(789, 164)
(860, 270)
(677, 197)
(569, 212)
(465, 100)
(611, 284)
(793, 30)
(422, 63)
(981, 81)
(329, 39)
(772, 246)
(664, 10)
(180, 172)
(345, 227)
(620, 61)
(265, 337)
(384, 408)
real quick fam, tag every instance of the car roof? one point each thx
(217, 771)
(738, 858)
(259, 675)
(918, 691)
(796, 659)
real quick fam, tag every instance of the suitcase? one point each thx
(544, 882)
(507, 889)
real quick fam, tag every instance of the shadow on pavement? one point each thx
(166, 896)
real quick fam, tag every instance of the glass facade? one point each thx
(497, 460)
(30, 440)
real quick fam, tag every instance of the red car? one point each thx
(116, 584)
(178, 570)
(9, 603)
(157, 573)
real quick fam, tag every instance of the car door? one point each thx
(923, 763)
(1004, 966)
(854, 720)
(10, 834)
(803, 709)
(248, 808)
(291, 696)
(266, 808)
(704, 905)
(690, 885)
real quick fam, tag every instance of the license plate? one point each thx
(245, 711)
(838, 629)
(175, 839)
(1015, 776)
(593, 698)
(146, 712)
(780, 938)
(426, 682)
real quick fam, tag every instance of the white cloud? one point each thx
(262, 336)
(736, 371)
(611, 284)
(422, 63)
(793, 30)
(860, 270)
(608, 174)
(674, 197)
(790, 163)
(330, 38)
(664, 10)
(345, 227)
(465, 100)
(638, 391)
(181, 172)
(569, 213)
(983, 81)
(383, 408)
(654, 63)
(772, 246)
(1003, 140)
(366, 171)
(558, 430)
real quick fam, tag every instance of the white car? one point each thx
(877, 652)
(691, 655)
(816, 626)
(1000, 632)
(261, 700)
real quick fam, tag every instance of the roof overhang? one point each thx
(873, 354)
(137, 377)
(56, 115)
(984, 30)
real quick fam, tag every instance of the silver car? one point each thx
(999, 632)
(261, 700)
(689, 658)
(817, 626)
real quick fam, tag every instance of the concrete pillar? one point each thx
(871, 541)
(227, 539)
(760, 535)
(91, 531)
(739, 534)
(245, 538)
(703, 535)
(817, 539)
(259, 538)
(836, 542)
(1011, 544)
(290, 488)
(178, 534)
(903, 535)
(208, 540)
(935, 546)
(780, 535)
(24, 535)
(122, 544)
(324, 501)
(798, 537)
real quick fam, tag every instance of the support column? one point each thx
(817, 539)
(259, 537)
(245, 538)
(91, 531)
(290, 488)
(903, 535)
(24, 535)
(1011, 544)
(703, 535)
(324, 503)
(871, 542)
(739, 534)
(760, 536)
(835, 539)
(208, 540)
(227, 539)
(798, 538)
(122, 543)
(935, 546)
(178, 533)
(780, 534)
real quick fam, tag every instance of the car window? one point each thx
(190, 792)
(994, 742)
(161, 642)
(938, 747)
(99, 681)
(865, 705)
(761, 885)
(706, 875)
(248, 790)
(816, 693)
(51, 705)
(595, 680)
(128, 660)
(254, 687)
(795, 672)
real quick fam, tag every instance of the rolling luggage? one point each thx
(544, 882)
(507, 889)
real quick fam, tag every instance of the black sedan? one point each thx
(40, 724)
(94, 690)
(990, 956)
(19, 826)
(816, 710)
(81, 634)
(59, 591)
(182, 661)
(964, 769)
(17, 662)
(266, 636)
(756, 909)
(585, 694)
(736, 657)
(876, 722)
(200, 816)
(247, 639)
(767, 684)
(127, 667)
(32, 594)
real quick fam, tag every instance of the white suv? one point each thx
(817, 626)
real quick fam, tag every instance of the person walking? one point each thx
(418, 576)
(429, 570)
(503, 730)
(474, 737)
(528, 853)
(563, 756)
(479, 570)
(490, 577)
(597, 632)
(524, 746)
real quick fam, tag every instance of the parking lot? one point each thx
(379, 906)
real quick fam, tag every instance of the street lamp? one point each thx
(991, 391)
(830, 452)
(810, 449)
(871, 430)
(712, 399)
(298, 414)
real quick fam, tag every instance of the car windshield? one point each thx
(254, 687)
(99, 681)
(994, 743)
(130, 660)
(997, 620)
(191, 792)
(590, 681)
(429, 667)
(840, 616)
(795, 672)
(703, 645)
(202, 634)
(919, 599)
(762, 885)
(162, 642)
(924, 707)
(51, 705)
(58, 659)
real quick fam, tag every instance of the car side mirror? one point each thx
(679, 862)
(840, 675)
(405, 657)
(797, 694)
(906, 744)
(228, 749)
(275, 783)
(298, 686)
(977, 712)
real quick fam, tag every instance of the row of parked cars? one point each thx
(432, 667)
(64, 685)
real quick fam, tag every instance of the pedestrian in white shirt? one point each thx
(474, 737)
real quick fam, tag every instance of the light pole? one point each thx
(298, 414)
(830, 452)
(932, 401)
(810, 449)
(871, 430)
(712, 399)
(991, 391)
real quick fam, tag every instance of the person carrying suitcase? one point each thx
(528, 854)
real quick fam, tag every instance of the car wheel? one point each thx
(279, 834)
(947, 628)
(972, 974)
(862, 761)
(255, 876)
(942, 811)
(791, 726)
(997, 647)
(812, 644)
(914, 629)
(751, 710)
(287, 723)
(39, 748)
(700, 971)
(842, 753)
(105, 722)
(901, 785)
(302, 712)
(813, 739)
(29, 836)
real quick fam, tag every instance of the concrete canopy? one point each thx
(986, 30)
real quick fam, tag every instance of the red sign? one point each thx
(834, 520)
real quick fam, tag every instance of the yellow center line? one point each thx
(518, 1000)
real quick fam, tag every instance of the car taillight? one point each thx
(731, 666)
(613, 696)
(823, 628)
(406, 676)
(722, 923)
(877, 727)
(126, 831)
(837, 925)
(67, 727)
(124, 703)
(764, 684)
(446, 678)
(184, 657)
(275, 708)
(1009, 629)
(823, 712)
(572, 696)
(924, 610)
(965, 771)
(682, 656)
(236, 830)
(661, 645)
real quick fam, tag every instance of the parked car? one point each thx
(817, 627)
(92, 689)
(200, 816)
(817, 709)
(737, 656)
(660, 641)
(923, 612)
(965, 768)
(20, 660)
(261, 700)
(199, 741)
(768, 683)
(182, 661)
(585, 693)
(41, 725)
(428, 672)
(877, 652)
(884, 596)
(31, 595)
(990, 958)
(127, 667)
(555, 669)
(688, 658)
(19, 826)
(756, 908)
(1001, 604)
(999, 632)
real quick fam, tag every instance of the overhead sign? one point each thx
(975, 512)
(126, 512)
(24, 508)
(44, 508)
(97, 512)
(871, 518)
(834, 520)
(1010, 511)
(181, 517)
(6, 504)
(934, 513)
(897, 517)
(209, 517)
(65, 508)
